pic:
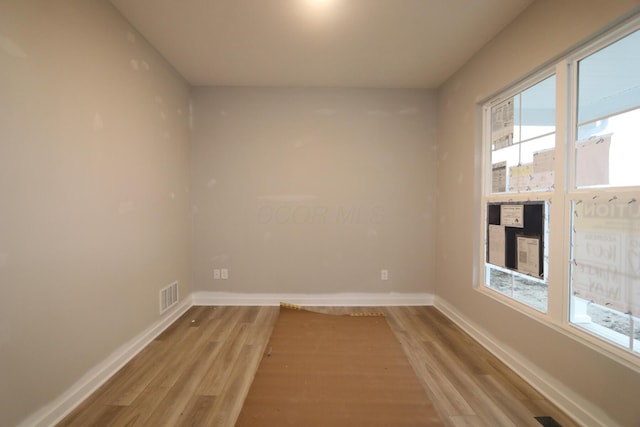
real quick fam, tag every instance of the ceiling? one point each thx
(320, 43)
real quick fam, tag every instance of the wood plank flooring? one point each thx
(199, 370)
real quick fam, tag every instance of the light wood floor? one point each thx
(198, 372)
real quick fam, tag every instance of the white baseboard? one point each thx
(561, 396)
(334, 300)
(565, 399)
(56, 410)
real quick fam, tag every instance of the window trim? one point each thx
(560, 199)
(486, 196)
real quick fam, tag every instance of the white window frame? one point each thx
(558, 233)
(530, 196)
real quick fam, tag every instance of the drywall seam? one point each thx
(560, 396)
(56, 410)
(333, 300)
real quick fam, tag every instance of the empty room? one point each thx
(320, 212)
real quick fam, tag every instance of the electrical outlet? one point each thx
(216, 274)
(224, 273)
(384, 274)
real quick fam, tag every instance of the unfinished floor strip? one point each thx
(324, 369)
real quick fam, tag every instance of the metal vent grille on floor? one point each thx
(168, 297)
(547, 421)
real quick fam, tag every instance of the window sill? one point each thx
(583, 333)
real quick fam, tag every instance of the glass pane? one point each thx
(609, 80)
(531, 147)
(522, 140)
(516, 262)
(517, 112)
(540, 154)
(521, 288)
(529, 166)
(605, 272)
(608, 150)
(608, 145)
(612, 319)
(538, 110)
(501, 162)
(502, 123)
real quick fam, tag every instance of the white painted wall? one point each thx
(599, 385)
(94, 202)
(314, 190)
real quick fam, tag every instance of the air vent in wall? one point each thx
(168, 297)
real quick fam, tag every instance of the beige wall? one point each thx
(314, 190)
(94, 208)
(292, 190)
(604, 387)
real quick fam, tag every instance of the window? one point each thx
(561, 193)
(605, 193)
(521, 135)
